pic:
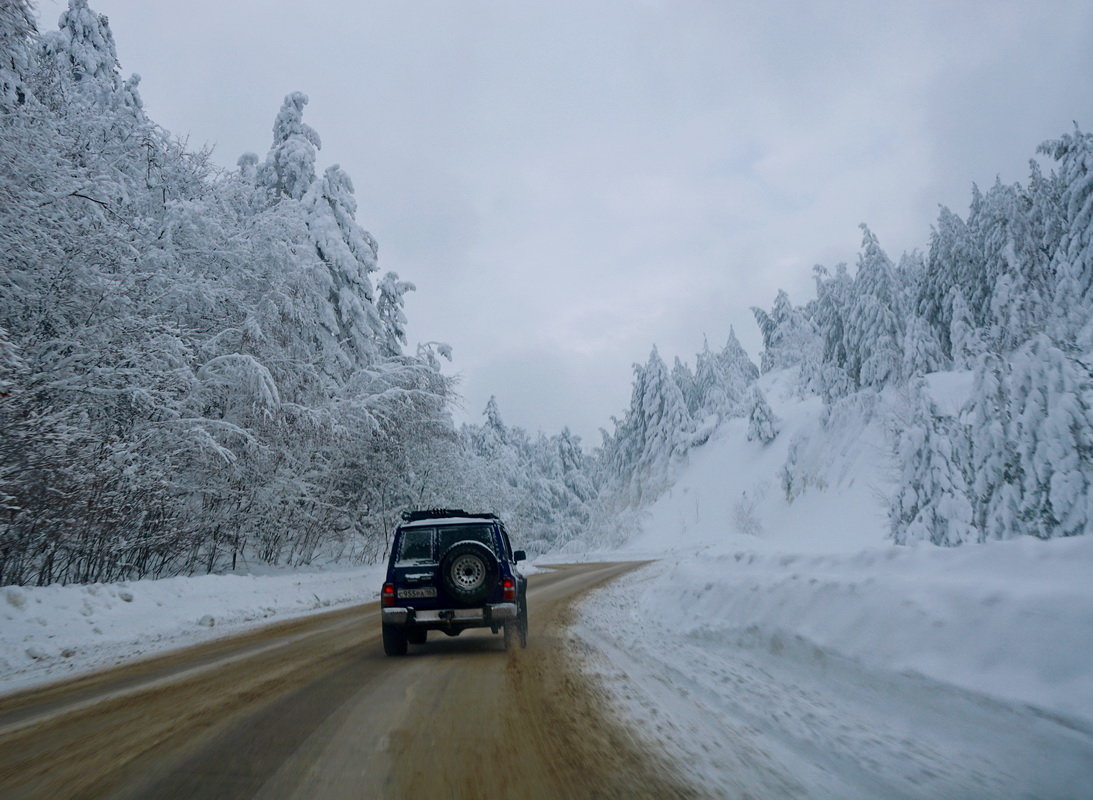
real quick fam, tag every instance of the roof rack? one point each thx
(441, 513)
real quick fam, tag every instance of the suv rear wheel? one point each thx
(469, 571)
(394, 641)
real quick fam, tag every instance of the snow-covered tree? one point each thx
(932, 504)
(964, 337)
(951, 259)
(762, 424)
(289, 168)
(349, 254)
(652, 437)
(17, 30)
(685, 380)
(874, 327)
(389, 307)
(921, 349)
(1053, 429)
(179, 377)
(789, 337)
(1073, 264)
(82, 52)
(995, 471)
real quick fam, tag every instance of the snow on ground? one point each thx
(785, 649)
(53, 632)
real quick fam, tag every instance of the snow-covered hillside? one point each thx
(788, 648)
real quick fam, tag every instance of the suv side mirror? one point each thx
(519, 555)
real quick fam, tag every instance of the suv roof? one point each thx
(433, 514)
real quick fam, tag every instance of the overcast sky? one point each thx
(569, 182)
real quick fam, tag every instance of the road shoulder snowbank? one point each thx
(52, 632)
(1010, 620)
(888, 673)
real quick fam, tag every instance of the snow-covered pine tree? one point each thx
(576, 470)
(964, 337)
(17, 32)
(349, 254)
(1016, 263)
(763, 426)
(932, 503)
(833, 300)
(688, 386)
(951, 258)
(1073, 262)
(665, 424)
(727, 374)
(652, 437)
(739, 370)
(392, 318)
(874, 325)
(789, 338)
(1053, 429)
(82, 53)
(996, 479)
(719, 383)
(289, 168)
(921, 350)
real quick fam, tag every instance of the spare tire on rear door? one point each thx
(469, 572)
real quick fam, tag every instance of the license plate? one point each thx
(428, 591)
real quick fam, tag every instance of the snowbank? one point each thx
(1013, 620)
(51, 632)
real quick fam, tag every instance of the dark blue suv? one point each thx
(449, 571)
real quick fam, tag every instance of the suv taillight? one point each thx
(387, 596)
(508, 590)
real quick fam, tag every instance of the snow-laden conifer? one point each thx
(653, 436)
(789, 337)
(17, 31)
(392, 317)
(763, 425)
(1053, 428)
(688, 386)
(932, 503)
(965, 338)
(82, 52)
(950, 259)
(995, 469)
(1074, 254)
(874, 326)
(289, 168)
(349, 254)
(921, 349)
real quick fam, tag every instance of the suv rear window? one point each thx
(417, 544)
(447, 535)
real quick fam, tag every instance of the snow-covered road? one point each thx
(312, 708)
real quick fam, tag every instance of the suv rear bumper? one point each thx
(443, 617)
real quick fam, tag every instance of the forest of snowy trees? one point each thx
(200, 366)
(1006, 294)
